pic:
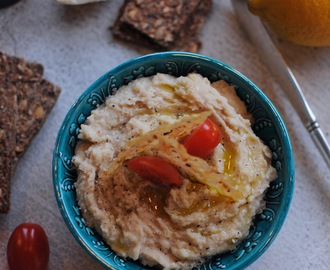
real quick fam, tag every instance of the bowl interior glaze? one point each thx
(268, 125)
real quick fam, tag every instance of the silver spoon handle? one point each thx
(320, 141)
(273, 58)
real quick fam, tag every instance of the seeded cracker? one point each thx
(162, 25)
(8, 109)
(26, 101)
(35, 100)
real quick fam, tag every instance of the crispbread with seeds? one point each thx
(35, 100)
(165, 25)
(188, 39)
(8, 112)
(26, 101)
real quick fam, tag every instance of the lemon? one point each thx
(304, 22)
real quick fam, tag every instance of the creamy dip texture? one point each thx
(171, 227)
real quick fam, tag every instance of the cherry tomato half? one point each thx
(28, 248)
(203, 139)
(155, 169)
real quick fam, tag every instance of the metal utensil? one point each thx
(257, 32)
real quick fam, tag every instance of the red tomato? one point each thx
(28, 248)
(155, 169)
(203, 139)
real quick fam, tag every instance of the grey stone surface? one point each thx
(76, 47)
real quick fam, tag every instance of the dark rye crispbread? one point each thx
(26, 101)
(162, 25)
(8, 110)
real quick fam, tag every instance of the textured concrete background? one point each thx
(76, 47)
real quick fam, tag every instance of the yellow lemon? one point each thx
(304, 22)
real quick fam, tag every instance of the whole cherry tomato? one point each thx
(155, 169)
(203, 139)
(28, 248)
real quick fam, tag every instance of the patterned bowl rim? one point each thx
(289, 158)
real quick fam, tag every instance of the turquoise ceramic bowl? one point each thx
(268, 125)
